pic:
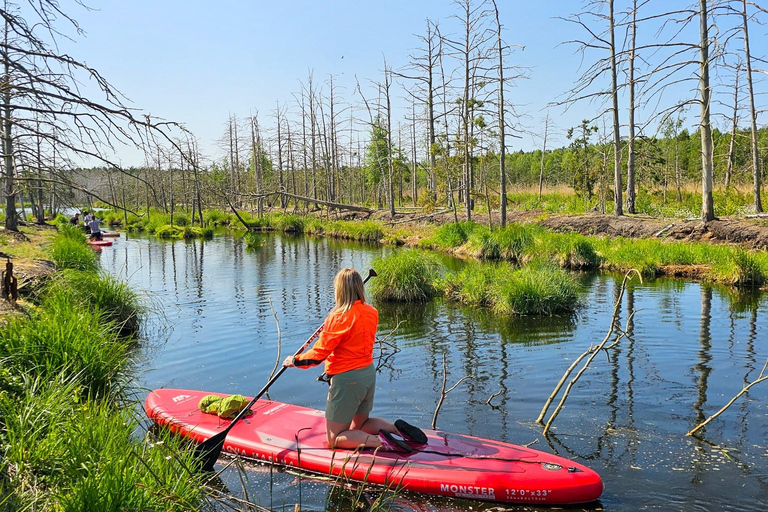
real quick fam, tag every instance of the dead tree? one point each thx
(705, 99)
(600, 28)
(41, 98)
(756, 182)
(471, 49)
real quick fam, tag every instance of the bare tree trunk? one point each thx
(414, 180)
(11, 223)
(313, 132)
(677, 170)
(543, 155)
(280, 155)
(734, 126)
(40, 210)
(752, 114)
(618, 203)
(631, 140)
(502, 140)
(707, 204)
(466, 114)
(390, 163)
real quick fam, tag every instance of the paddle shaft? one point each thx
(210, 449)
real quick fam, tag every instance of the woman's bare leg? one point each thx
(363, 430)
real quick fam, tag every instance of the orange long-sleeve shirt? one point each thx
(346, 341)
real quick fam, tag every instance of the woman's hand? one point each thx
(288, 363)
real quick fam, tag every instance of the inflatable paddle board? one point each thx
(453, 465)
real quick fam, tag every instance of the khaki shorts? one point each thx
(351, 393)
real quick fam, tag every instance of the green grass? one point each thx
(571, 251)
(450, 235)
(538, 289)
(67, 430)
(288, 223)
(183, 232)
(253, 240)
(506, 243)
(405, 276)
(65, 337)
(361, 231)
(100, 293)
(69, 252)
(65, 452)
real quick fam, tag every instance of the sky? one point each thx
(198, 62)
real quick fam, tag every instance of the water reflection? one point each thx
(689, 348)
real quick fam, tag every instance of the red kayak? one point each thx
(448, 465)
(100, 243)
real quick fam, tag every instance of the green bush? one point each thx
(180, 219)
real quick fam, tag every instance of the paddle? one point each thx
(208, 451)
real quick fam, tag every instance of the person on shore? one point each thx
(75, 219)
(93, 225)
(346, 345)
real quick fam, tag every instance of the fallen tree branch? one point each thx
(661, 232)
(444, 392)
(592, 353)
(279, 339)
(762, 377)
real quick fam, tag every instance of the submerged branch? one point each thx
(592, 353)
(444, 392)
(762, 377)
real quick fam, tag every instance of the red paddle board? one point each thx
(100, 243)
(449, 464)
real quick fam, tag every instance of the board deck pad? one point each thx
(449, 464)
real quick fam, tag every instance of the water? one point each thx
(689, 349)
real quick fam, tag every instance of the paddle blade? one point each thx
(207, 452)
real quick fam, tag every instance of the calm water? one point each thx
(691, 348)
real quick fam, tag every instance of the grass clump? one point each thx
(451, 235)
(361, 231)
(405, 276)
(183, 232)
(506, 243)
(100, 293)
(570, 251)
(253, 240)
(539, 289)
(288, 223)
(743, 269)
(70, 251)
(65, 338)
(75, 454)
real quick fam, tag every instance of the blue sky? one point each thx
(198, 62)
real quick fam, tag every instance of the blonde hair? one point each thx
(348, 288)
